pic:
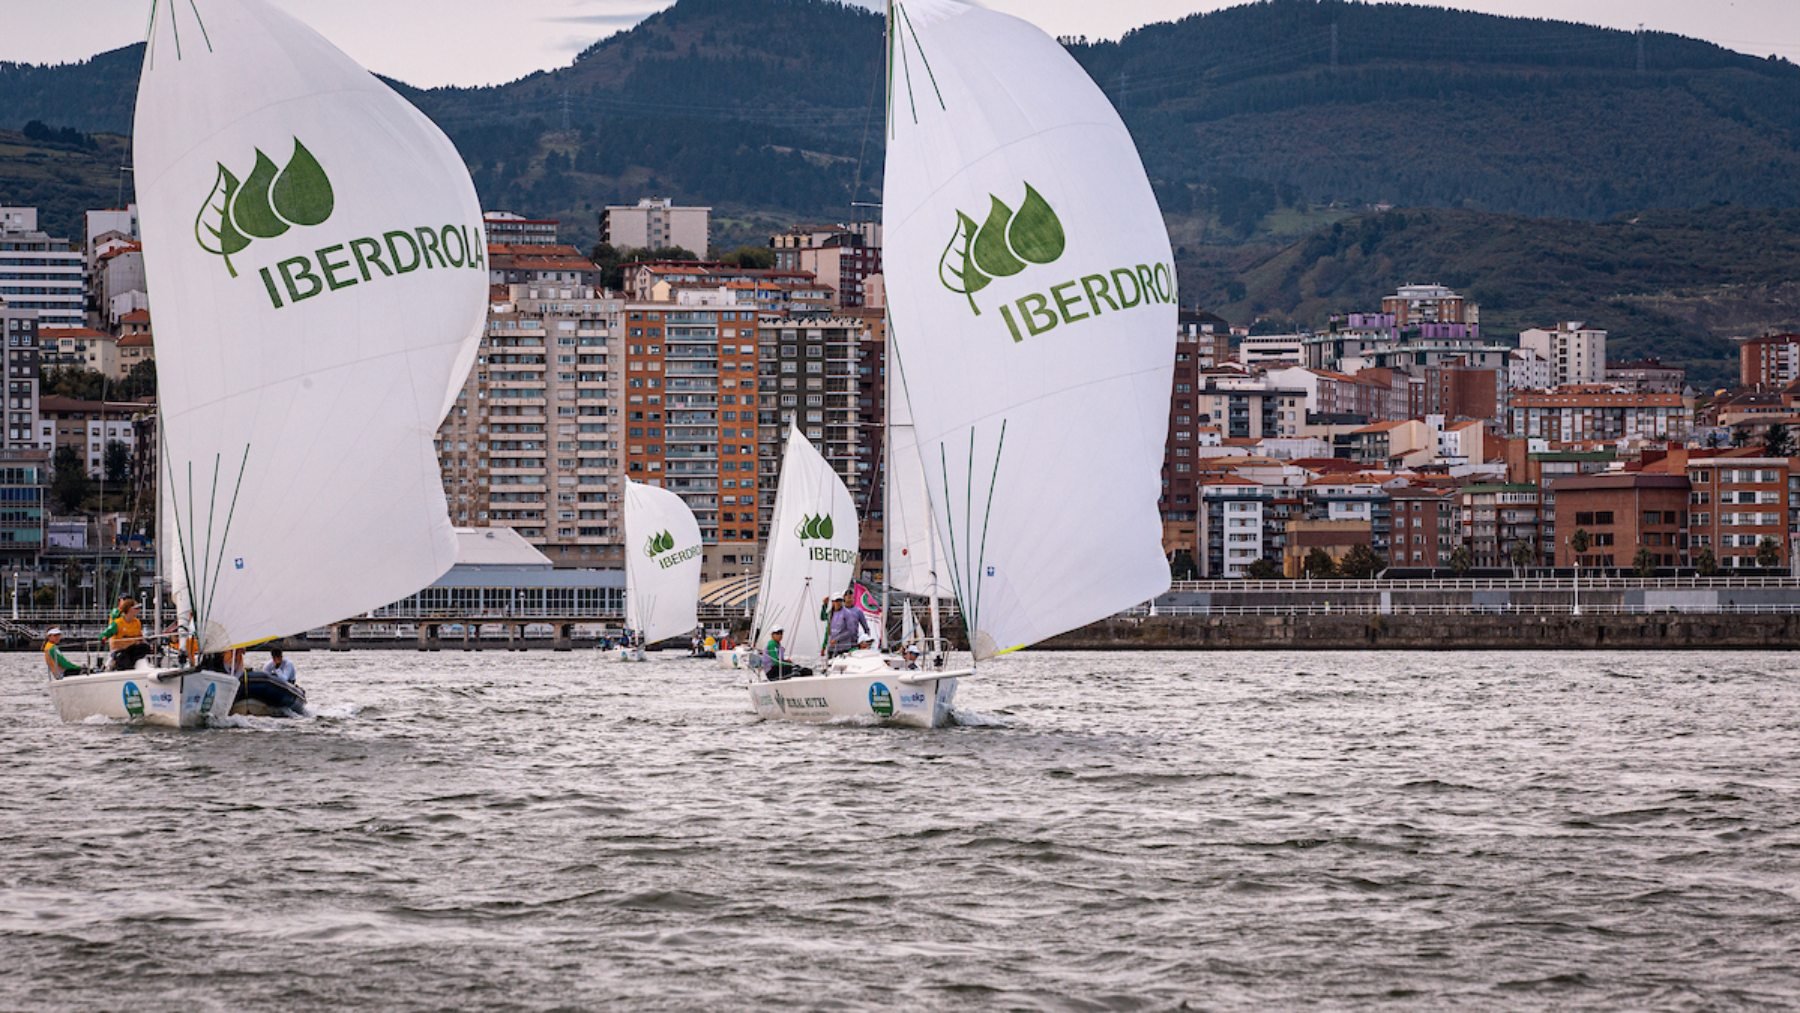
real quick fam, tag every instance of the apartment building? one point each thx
(1497, 519)
(86, 427)
(656, 223)
(19, 332)
(1622, 512)
(24, 488)
(1242, 408)
(38, 272)
(810, 376)
(1429, 304)
(1769, 362)
(540, 264)
(533, 440)
(1426, 527)
(1734, 504)
(1576, 353)
(1233, 533)
(1599, 414)
(843, 257)
(505, 228)
(690, 411)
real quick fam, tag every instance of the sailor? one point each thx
(54, 659)
(779, 667)
(124, 636)
(280, 668)
(846, 628)
(912, 657)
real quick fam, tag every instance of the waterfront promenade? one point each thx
(1473, 613)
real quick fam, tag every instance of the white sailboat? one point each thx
(663, 560)
(811, 556)
(317, 256)
(1033, 306)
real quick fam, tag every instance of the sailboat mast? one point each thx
(884, 473)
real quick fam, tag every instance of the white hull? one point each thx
(630, 654)
(165, 697)
(737, 657)
(859, 688)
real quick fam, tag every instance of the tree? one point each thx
(1182, 567)
(1319, 564)
(1361, 563)
(76, 382)
(118, 463)
(1644, 563)
(139, 382)
(1778, 441)
(1706, 563)
(1462, 560)
(70, 484)
(1264, 569)
(1768, 553)
(1579, 543)
(1524, 554)
(755, 257)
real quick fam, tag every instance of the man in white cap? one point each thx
(54, 659)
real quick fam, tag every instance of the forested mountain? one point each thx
(1259, 124)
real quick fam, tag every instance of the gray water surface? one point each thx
(1108, 831)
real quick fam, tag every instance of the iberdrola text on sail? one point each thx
(362, 261)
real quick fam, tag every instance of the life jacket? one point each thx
(130, 631)
(50, 659)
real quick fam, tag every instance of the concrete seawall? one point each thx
(1473, 632)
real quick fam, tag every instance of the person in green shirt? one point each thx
(54, 659)
(779, 667)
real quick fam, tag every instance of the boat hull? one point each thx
(736, 658)
(633, 654)
(852, 691)
(267, 696)
(169, 698)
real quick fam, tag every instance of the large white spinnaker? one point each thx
(663, 559)
(1032, 293)
(812, 550)
(316, 252)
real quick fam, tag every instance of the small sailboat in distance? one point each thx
(1033, 308)
(663, 559)
(317, 256)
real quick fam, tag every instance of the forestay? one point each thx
(317, 254)
(812, 549)
(663, 559)
(1032, 293)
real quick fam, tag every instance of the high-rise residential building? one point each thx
(871, 412)
(1243, 408)
(507, 229)
(656, 223)
(1413, 305)
(1501, 524)
(690, 416)
(532, 442)
(1769, 362)
(841, 256)
(539, 264)
(810, 377)
(38, 272)
(1527, 370)
(1210, 336)
(1576, 353)
(19, 332)
(1426, 527)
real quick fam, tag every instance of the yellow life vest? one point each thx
(130, 630)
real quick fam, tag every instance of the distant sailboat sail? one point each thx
(1032, 292)
(315, 249)
(812, 549)
(663, 558)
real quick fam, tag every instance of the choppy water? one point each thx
(1118, 831)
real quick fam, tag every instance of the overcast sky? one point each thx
(433, 42)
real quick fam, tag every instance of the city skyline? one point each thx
(451, 41)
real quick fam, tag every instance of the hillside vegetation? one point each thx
(1260, 125)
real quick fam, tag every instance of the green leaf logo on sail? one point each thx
(816, 527)
(1003, 245)
(659, 544)
(264, 205)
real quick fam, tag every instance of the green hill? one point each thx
(63, 178)
(1260, 125)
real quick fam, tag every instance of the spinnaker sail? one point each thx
(663, 560)
(317, 256)
(1032, 293)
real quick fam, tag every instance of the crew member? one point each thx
(124, 636)
(779, 667)
(54, 659)
(280, 668)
